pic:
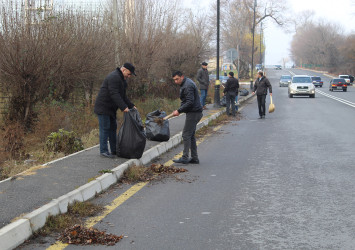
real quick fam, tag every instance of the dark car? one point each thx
(317, 81)
(338, 84)
(278, 67)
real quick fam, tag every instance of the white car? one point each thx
(346, 78)
(301, 85)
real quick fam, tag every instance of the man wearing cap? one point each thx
(204, 80)
(112, 95)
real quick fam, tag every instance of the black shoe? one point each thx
(260, 117)
(263, 117)
(181, 160)
(194, 161)
(107, 155)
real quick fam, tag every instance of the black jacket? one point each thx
(203, 78)
(232, 86)
(261, 86)
(112, 95)
(190, 100)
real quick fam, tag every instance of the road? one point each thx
(284, 182)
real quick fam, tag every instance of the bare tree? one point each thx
(45, 59)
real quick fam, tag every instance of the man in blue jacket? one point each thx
(112, 95)
(191, 105)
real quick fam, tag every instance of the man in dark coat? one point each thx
(112, 95)
(231, 91)
(190, 104)
(260, 88)
(204, 80)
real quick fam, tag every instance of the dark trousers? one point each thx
(188, 134)
(107, 130)
(230, 98)
(261, 104)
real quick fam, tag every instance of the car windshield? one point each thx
(301, 79)
(316, 78)
(286, 77)
(344, 77)
(339, 80)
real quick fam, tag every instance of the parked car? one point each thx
(285, 80)
(258, 67)
(301, 85)
(317, 81)
(278, 67)
(338, 84)
(346, 78)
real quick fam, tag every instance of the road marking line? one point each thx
(336, 98)
(108, 209)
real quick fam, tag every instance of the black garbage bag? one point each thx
(156, 128)
(131, 137)
(244, 92)
(224, 101)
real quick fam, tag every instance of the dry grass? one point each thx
(81, 120)
(76, 214)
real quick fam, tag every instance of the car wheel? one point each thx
(312, 96)
(290, 95)
(344, 90)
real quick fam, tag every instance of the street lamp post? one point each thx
(252, 51)
(217, 84)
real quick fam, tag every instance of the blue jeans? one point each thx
(203, 97)
(236, 101)
(107, 130)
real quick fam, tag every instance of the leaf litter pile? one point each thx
(79, 235)
(153, 172)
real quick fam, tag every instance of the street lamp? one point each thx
(252, 51)
(218, 83)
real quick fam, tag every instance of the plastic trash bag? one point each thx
(156, 128)
(224, 101)
(131, 138)
(244, 92)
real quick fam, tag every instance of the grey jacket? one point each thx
(261, 86)
(203, 78)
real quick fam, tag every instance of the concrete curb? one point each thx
(17, 232)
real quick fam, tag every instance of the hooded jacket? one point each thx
(112, 95)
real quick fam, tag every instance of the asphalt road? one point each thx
(284, 182)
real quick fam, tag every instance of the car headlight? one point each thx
(293, 87)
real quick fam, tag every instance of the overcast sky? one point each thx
(277, 41)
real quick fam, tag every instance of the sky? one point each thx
(277, 41)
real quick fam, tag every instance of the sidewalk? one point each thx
(40, 186)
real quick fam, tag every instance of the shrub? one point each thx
(64, 141)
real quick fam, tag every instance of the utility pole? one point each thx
(252, 51)
(218, 83)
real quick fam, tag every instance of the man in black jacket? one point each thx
(190, 104)
(260, 88)
(231, 91)
(112, 95)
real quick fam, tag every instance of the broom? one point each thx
(271, 106)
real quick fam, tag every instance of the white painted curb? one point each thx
(17, 232)
(14, 234)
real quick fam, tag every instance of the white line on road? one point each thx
(351, 104)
